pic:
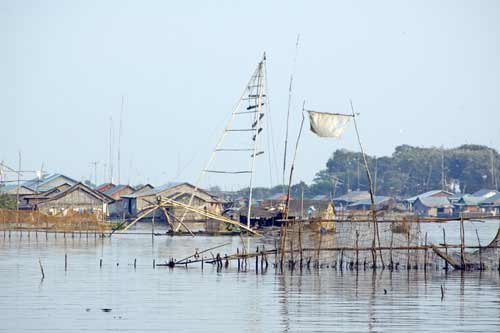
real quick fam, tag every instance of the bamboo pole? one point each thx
(41, 268)
(462, 244)
(376, 235)
(445, 249)
(480, 252)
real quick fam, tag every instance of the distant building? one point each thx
(137, 202)
(468, 204)
(117, 191)
(274, 200)
(433, 206)
(345, 200)
(430, 194)
(13, 190)
(491, 205)
(381, 203)
(77, 199)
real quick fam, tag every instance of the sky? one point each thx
(423, 73)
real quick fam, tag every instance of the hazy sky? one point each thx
(424, 73)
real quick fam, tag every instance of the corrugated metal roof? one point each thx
(485, 193)
(428, 194)
(494, 200)
(435, 202)
(377, 199)
(470, 200)
(115, 189)
(353, 196)
(37, 183)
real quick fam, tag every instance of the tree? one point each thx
(7, 201)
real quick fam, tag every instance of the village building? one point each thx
(274, 200)
(117, 191)
(137, 202)
(31, 201)
(143, 188)
(12, 190)
(410, 202)
(491, 205)
(468, 204)
(433, 206)
(351, 197)
(381, 203)
(79, 198)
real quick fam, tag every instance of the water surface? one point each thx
(191, 299)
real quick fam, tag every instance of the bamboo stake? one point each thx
(425, 255)
(408, 251)
(376, 235)
(462, 244)
(390, 251)
(41, 268)
(480, 252)
(445, 249)
(357, 249)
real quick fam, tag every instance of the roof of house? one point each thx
(429, 194)
(165, 187)
(104, 187)
(353, 196)
(494, 200)
(485, 193)
(469, 200)
(377, 199)
(83, 187)
(10, 187)
(434, 202)
(116, 188)
(143, 188)
(36, 183)
(321, 197)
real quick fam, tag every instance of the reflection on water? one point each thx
(164, 299)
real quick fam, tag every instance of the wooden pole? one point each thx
(65, 262)
(425, 255)
(445, 249)
(462, 244)
(357, 249)
(391, 263)
(480, 252)
(376, 236)
(41, 268)
(408, 251)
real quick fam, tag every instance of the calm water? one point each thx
(180, 299)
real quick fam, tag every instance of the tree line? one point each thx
(407, 172)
